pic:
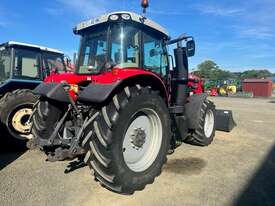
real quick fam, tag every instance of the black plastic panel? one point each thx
(96, 93)
(53, 91)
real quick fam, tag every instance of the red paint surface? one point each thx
(259, 87)
(214, 92)
(114, 76)
(109, 77)
(198, 84)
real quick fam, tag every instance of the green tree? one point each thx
(255, 74)
(207, 69)
(210, 70)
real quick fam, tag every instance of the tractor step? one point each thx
(176, 109)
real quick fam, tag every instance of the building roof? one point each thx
(256, 80)
(43, 48)
(135, 17)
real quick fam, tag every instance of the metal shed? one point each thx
(259, 87)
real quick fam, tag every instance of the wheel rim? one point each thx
(20, 122)
(209, 123)
(142, 140)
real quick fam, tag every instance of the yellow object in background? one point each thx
(231, 89)
(225, 90)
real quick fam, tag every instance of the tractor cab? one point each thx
(122, 40)
(22, 68)
(27, 62)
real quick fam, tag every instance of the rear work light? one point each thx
(126, 16)
(114, 17)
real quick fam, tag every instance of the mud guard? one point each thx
(192, 110)
(97, 93)
(54, 91)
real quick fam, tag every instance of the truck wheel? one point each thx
(45, 119)
(15, 111)
(205, 133)
(127, 140)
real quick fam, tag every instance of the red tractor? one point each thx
(123, 107)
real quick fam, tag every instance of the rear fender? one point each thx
(193, 110)
(97, 93)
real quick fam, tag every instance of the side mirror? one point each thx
(190, 48)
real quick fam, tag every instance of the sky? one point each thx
(237, 35)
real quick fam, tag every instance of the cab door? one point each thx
(155, 58)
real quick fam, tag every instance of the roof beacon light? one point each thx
(144, 5)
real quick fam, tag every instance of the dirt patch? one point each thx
(185, 166)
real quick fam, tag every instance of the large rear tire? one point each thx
(128, 139)
(204, 134)
(15, 111)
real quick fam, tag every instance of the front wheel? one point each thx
(205, 132)
(15, 112)
(127, 141)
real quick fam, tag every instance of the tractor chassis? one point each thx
(59, 148)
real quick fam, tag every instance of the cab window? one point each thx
(93, 52)
(155, 59)
(52, 63)
(26, 64)
(125, 46)
(4, 64)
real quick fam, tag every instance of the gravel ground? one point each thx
(237, 169)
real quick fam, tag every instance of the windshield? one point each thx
(4, 64)
(122, 50)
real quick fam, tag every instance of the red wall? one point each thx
(259, 87)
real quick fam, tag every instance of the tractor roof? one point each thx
(42, 48)
(134, 17)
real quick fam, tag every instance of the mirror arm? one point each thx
(179, 39)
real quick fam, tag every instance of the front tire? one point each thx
(45, 119)
(204, 134)
(15, 111)
(128, 139)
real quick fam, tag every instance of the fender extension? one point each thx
(93, 93)
(97, 93)
(54, 91)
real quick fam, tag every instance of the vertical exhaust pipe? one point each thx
(180, 76)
